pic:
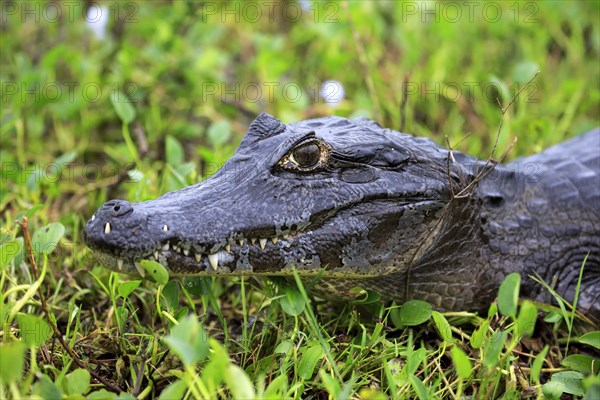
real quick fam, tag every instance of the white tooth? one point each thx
(198, 257)
(165, 228)
(120, 263)
(252, 240)
(107, 228)
(139, 269)
(274, 240)
(166, 247)
(228, 248)
(186, 252)
(286, 235)
(175, 248)
(241, 242)
(263, 243)
(213, 259)
(93, 217)
(156, 255)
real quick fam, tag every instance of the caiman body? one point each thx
(375, 208)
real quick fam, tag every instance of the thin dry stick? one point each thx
(25, 226)
(485, 171)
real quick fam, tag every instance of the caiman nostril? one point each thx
(118, 208)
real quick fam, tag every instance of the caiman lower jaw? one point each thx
(181, 259)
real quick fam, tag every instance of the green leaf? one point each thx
(123, 106)
(35, 331)
(292, 301)
(461, 361)
(443, 327)
(278, 387)
(591, 338)
(582, 363)
(46, 238)
(330, 383)
(127, 287)
(553, 390)
(156, 270)
(78, 381)
(219, 132)
(174, 151)
(284, 347)
(538, 362)
(8, 251)
(188, 341)
(572, 381)
(11, 361)
(508, 295)
(101, 394)
(418, 387)
(175, 390)
(415, 312)
(45, 388)
(239, 384)
(524, 71)
(493, 348)
(480, 334)
(171, 294)
(197, 285)
(525, 324)
(309, 360)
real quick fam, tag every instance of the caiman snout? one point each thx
(115, 209)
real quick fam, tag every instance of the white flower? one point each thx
(97, 20)
(332, 92)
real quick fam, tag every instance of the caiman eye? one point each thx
(306, 157)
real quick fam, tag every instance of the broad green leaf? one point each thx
(571, 380)
(123, 107)
(591, 338)
(418, 387)
(480, 334)
(174, 151)
(8, 251)
(239, 384)
(443, 327)
(45, 388)
(127, 287)
(171, 294)
(219, 132)
(292, 301)
(415, 312)
(188, 341)
(46, 238)
(78, 381)
(284, 347)
(175, 390)
(461, 361)
(508, 295)
(330, 383)
(214, 371)
(525, 323)
(309, 360)
(553, 390)
(415, 359)
(278, 387)
(197, 285)
(35, 331)
(156, 270)
(11, 361)
(492, 349)
(101, 394)
(582, 363)
(538, 362)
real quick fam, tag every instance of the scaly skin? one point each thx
(371, 207)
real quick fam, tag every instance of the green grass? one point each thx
(64, 153)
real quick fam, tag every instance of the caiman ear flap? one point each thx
(265, 125)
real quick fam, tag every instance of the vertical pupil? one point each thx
(307, 155)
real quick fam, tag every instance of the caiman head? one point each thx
(343, 197)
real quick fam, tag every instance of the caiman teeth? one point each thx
(120, 264)
(175, 248)
(263, 243)
(274, 240)
(166, 247)
(93, 217)
(252, 240)
(241, 242)
(156, 255)
(139, 269)
(186, 252)
(228, 248)
(213, 259)
(285, 235)
(165, 228)
(107, 228)
(198, 257)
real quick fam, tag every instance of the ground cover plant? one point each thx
(133, 99)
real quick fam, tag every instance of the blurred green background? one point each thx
(194, 74)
